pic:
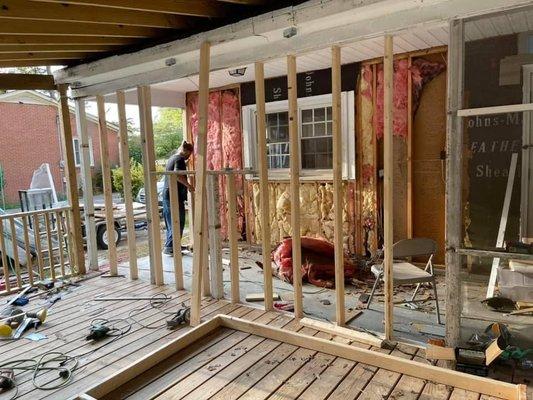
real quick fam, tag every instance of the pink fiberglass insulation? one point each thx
(422, 72)
(224, 143)
(401, 71)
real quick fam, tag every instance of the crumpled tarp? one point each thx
(318, 264)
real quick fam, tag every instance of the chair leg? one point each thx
(434, 284)
(416, 291)
(376, 283)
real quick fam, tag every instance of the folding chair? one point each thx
(405, 273)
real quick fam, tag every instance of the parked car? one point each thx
(141, 196)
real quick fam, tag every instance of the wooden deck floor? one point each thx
(225, 365)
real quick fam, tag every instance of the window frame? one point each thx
(347, 127)
(77, 140)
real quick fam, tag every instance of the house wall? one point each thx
(29, 137)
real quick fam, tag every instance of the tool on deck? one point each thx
(98, 332)
(20, 321)
(183, 316)
(7, 380)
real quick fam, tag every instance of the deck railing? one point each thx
(34, 246)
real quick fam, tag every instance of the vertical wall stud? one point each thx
(215, 245)
(295, 186)
(388, 189)
(409, 210)
(176, 235)
(108, 190)
(232, 236)
(126, 182)
(337, 184)
(201, 166)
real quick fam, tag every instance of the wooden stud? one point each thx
(375, 180)
(388, 203)
(108, 189)
(70, 245)
(295, 186)
(51, 258)
(176, 236)
(29, 263)
(409, 209)
(206, 284)
(59, 232)
(361, 337)
(5, 265)
(263, 183)
(126, 183)
(150, 184)
(215, 245)
(232, 236)
(44, 40)
(454, 162)
(27, 82)
(201, 166)
(14, 242)
(38, 245)
(76, 237)
(338, 206)
(87, 184)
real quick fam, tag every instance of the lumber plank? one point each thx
(27, 82)
(176, 233)
(341, 331)
(231, 194)
(461, 394)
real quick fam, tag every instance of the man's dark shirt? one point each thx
(177, 163)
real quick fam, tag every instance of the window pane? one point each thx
(272, 133)
(320, 114)
(308, 161)
(308, 146)
(329, 128)
(283, 118)
(307, 130)
(329, 114)
(307, 116)
(272, 119)
(320, 129)
(283, 132)
(324, 161)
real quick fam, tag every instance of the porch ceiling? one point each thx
(69, 32)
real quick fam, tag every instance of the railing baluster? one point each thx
(51, 260)
(70, 245)
(59, 231)
(15, 251)
(38, 247)
(7, 284)
(176, 233)
(29, 264)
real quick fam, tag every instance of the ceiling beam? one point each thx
(25, 9)
(71, 48)
(33, 63)
(196, 8)
(27, 82)
(45, 40)
(246, 2)
(42, 56)
(22, 27)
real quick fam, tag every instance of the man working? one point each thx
(178, 162)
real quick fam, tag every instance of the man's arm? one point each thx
(184, 181)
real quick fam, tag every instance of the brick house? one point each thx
(29, 137)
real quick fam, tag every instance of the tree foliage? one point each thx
(168, 131)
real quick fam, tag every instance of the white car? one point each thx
(141, 196)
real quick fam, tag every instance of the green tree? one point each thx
(168, 131)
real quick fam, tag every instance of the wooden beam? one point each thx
(454, 173)
(388, 204)
(263, 183)
(232, 237)
(386, 361)
(87, 184)
(197, 8)
(75, 234)
(409, 210)
(27, 82)
(294, 150)
(55, 48)
(108, 189)
(22, 27)
(246, 2)
(51, 40)
(65, 55)
(36, 63)
(176, 234)
(338, 206)
(347, 333)
(126, 182)
(150, 183)
(200, 181)
(30, 11)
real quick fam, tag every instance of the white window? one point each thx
(77, 151)
(315, 133)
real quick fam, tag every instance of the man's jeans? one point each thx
(168, 218)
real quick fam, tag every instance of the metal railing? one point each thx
(34, 245)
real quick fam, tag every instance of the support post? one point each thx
(206, 282)
(409, 210)
(215, 246)
(232, 237)
(126, 183)
(340, 311)
(75, 234)
(454, 173)
(263, 183)
(176, 234)
(295, 186)
(108, 192)
(150, 185)
(87, 185)
(388, 204)
(199, 194)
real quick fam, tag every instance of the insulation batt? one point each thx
(318, 265)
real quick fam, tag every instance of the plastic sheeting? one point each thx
(224, 143)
